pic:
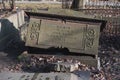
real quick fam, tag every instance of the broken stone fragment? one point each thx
(65, 67)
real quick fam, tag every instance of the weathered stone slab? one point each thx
(17, 19)
(45, 76)
(66, 12)
(76, 36)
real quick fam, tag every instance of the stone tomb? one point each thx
(78, 35)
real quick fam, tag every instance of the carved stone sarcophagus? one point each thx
(76, 34)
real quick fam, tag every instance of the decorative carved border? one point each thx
(89, 37)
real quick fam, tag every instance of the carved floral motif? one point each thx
(34, 34)
(90, 35)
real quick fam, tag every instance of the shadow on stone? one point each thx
(10, 40)
(55, 51)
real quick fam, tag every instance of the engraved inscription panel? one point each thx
(61, 34)
(79, 37)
